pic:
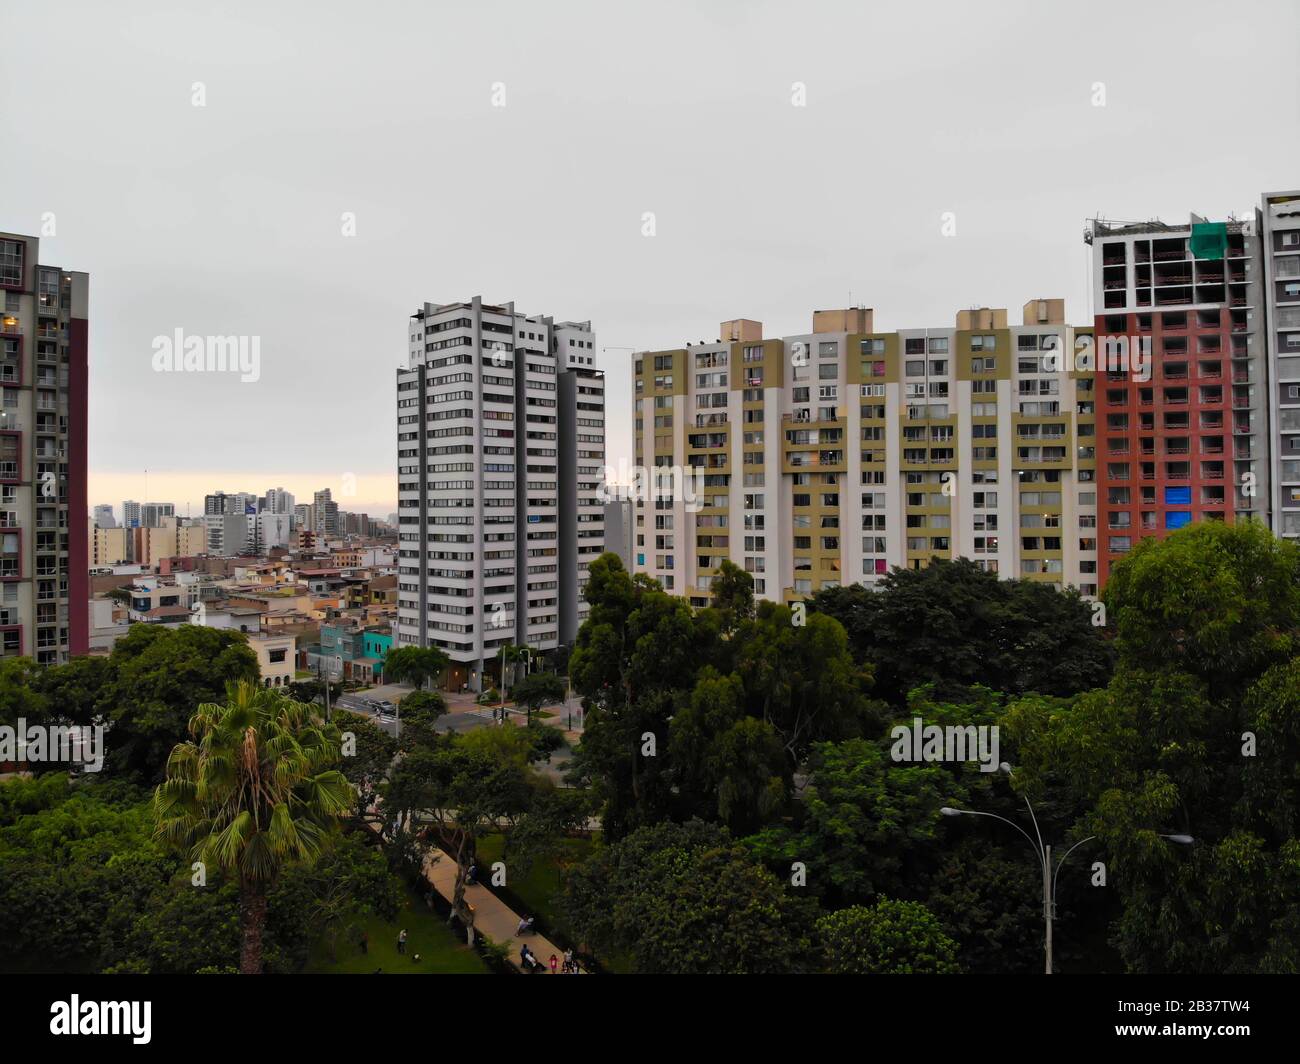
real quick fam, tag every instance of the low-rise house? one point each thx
(275, 658)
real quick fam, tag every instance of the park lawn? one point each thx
(537, 889)
(441, 952)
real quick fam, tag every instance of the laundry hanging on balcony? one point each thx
(1209, 240)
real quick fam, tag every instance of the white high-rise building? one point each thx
(228, 534)
(1279, 228)
(325, 514)
(279, 501)
(501, 424)
(267, 530)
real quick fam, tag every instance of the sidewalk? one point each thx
(492, 917)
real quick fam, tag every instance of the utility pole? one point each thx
(1044, 855)
(1048, 904)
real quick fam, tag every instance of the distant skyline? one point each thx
(323, 120)
(109, 488)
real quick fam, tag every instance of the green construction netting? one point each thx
(1209, 240)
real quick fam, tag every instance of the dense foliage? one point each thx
(741, 766)
(1171, 709)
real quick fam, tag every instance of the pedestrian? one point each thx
(401, 941)
(365, 942)
(568, 960)
(471, 877)
(555, 963)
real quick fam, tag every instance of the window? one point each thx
(11, 263)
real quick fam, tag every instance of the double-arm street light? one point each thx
(1044, 855)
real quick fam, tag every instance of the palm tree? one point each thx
(254, 792)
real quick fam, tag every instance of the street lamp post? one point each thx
(1044, 854)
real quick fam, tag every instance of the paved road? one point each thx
(463, 717)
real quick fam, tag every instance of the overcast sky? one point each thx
(226, 219)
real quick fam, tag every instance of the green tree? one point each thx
(638, 650)
(367, 755)
(802, 680)
(254, 792)
(157, 675)
(869, 825)
(954, 625)
(1217, 601)
(890, 938)
(460, 788)
(725, 763)
(414, 665)
(537, 690)
(685, 899)
(75, 688)
(19, 694)
(419, 712)
(987, 893)
(1196, 735)
(732, 595)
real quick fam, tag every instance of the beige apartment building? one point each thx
(146, 545)
(109, 546)
(827, 458)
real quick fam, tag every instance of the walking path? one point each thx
(493, 919)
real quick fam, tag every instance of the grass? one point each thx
(441, 952)
(538, 889)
